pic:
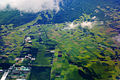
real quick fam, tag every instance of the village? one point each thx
(22, 70)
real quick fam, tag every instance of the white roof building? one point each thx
(28, 38)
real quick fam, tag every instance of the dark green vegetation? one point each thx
(65, 52)
(14, 17)
(40, 73)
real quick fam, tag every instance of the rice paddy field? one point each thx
(79, 42)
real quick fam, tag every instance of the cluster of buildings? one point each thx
(29, 56)
(19, 73)
(21, 59)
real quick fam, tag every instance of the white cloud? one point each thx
(30, 5)
(87, 24)
(117, 38)
(71, 26)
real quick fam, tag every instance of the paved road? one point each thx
(7, 72)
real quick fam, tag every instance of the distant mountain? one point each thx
(69, 11)
(15, 17)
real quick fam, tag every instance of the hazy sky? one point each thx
(30, 5)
